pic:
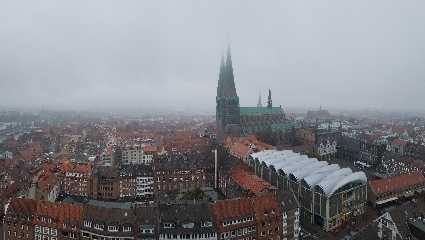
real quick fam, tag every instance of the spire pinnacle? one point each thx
(229, 57)
(269, 102)
(259, 100)
(222, 60)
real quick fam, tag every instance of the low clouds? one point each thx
(142, 54)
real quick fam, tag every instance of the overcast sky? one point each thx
(338, 54)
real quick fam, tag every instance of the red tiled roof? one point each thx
(398, 182)
(60, 211)
(22, 206)
(265, 206)
(67, 166)
(231, 209)
(150, 149)
(399, 142)
(251, 182)
(240, 150)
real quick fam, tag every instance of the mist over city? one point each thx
(212, 120)
(111, 55)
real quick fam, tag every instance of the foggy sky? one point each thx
(156, 54)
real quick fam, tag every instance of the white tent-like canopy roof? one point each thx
(315, 173)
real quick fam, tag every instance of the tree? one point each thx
(266, 136)
(313, 155)
(194, 194)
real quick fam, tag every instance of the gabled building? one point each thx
(398, 146)
(48, 185)
(56, 221)
(76, 179)
(393, 225)
(146, 222)
(18, 219)
(269, 217)
(235, 219)
(107, 223)
(186, 221)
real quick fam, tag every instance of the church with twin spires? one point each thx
(235, 121)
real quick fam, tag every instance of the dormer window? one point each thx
(98, 226)
(169, 225)
(187, 224)
(113, 228)
(87, 224)
(65, 225)
(126, 229)
(273, 211)
(206, 224)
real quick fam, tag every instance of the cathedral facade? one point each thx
(235, 121)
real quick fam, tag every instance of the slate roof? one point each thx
(109, 217)
(184, 161)
(188, 218)
(401, 214)
(146, 218)
(370, 231)
(286, 200)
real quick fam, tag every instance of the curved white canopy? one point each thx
(312, 180)
(354, 177)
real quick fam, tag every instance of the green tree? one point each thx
(194, 194)
(267, 136)
(313, 155)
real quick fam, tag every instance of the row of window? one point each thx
(187, 236)
(237, 221)
(98, 226)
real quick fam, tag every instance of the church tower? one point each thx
(227, 101)
(269, 101)
(259, 101)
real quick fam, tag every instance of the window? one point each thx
(127, 229)
(98, 226)
(169, 225)
(263, 233)
(85, 234)
(113, 228)
(87, 224)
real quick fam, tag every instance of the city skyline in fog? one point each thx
(147, 55)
